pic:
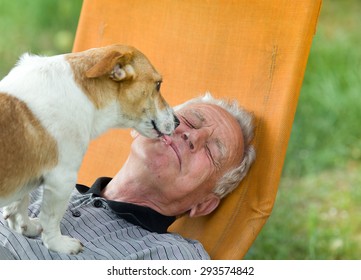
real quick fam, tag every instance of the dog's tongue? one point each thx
(166, 139)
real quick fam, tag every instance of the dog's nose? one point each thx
(176, 122)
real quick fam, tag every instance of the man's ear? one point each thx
(113, 64)
(206, 206)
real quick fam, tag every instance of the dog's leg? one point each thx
(17, 218)
(57, 190)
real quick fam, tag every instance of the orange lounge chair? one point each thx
(252, 51)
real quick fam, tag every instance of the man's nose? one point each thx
(196, 138)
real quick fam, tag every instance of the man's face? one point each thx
(184, 167)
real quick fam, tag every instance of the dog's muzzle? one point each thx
(176, 122)
(168, 128)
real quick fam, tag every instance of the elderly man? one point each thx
(187, 173)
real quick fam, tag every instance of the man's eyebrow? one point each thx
(198, 115)
(221, 147)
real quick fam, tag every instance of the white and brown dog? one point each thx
(50, 108)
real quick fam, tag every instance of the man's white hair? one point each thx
(232, 178)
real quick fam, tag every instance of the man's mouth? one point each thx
(168, 141)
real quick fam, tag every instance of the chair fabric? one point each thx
(252, 51)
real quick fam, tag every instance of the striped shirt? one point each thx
(107, 229)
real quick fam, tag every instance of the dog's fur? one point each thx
(50, 108)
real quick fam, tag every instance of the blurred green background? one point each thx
(44, 27)
(317, 214)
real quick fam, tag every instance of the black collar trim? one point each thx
(139, 215)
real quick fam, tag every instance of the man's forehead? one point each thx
(201, 110)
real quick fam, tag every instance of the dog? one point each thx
(50, 109)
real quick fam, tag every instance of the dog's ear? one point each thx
(113, 64)
(120, 73)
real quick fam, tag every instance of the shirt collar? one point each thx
(135, 214)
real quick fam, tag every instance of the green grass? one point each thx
(37, 26)
(315, 217)
(318, 206)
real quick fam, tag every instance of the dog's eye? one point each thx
(157, 85)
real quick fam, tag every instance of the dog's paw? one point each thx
(32, 227)
(24, 225)
(64, 244)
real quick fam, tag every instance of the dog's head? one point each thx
(135, 84)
